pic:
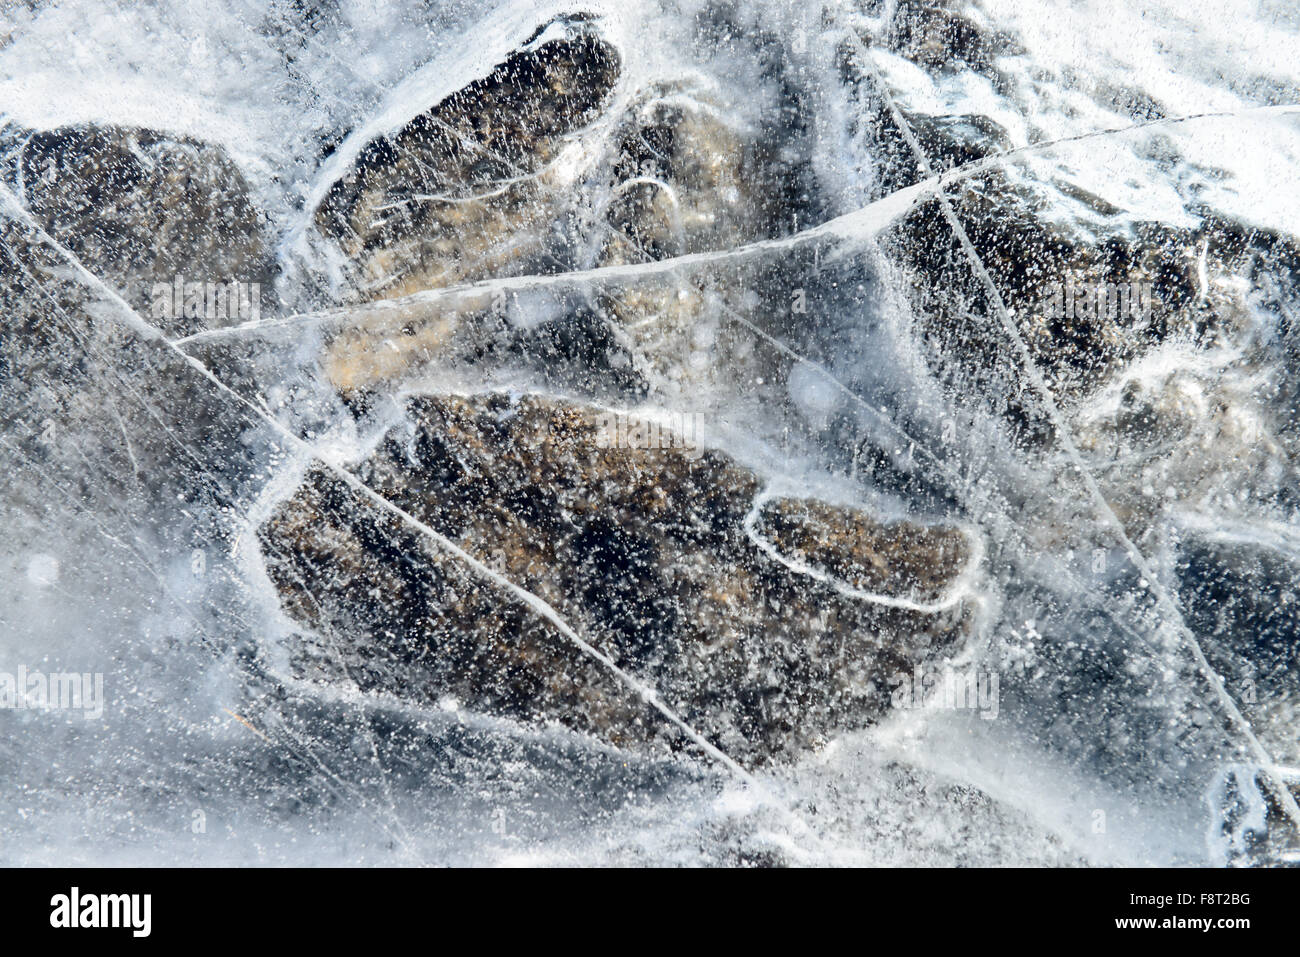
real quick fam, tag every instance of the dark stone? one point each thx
(139, 207)
(644, 551)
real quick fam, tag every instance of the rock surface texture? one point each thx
(764, 623)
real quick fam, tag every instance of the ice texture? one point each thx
(655, 433)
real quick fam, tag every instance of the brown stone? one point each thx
(654, 555)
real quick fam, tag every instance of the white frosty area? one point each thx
(369, 779)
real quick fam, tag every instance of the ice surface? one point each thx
(833, 259)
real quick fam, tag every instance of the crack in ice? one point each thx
(1170, 608)
(543, 609)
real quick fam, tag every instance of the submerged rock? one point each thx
(99, 413)
(1240, 582)
(462, 190)
(482, 184)
(764, 622)
(1042, 237)
(944, 40)
(1144, 328)
(144, 209)
(690, 176)
(538, 168)
(169, 225)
